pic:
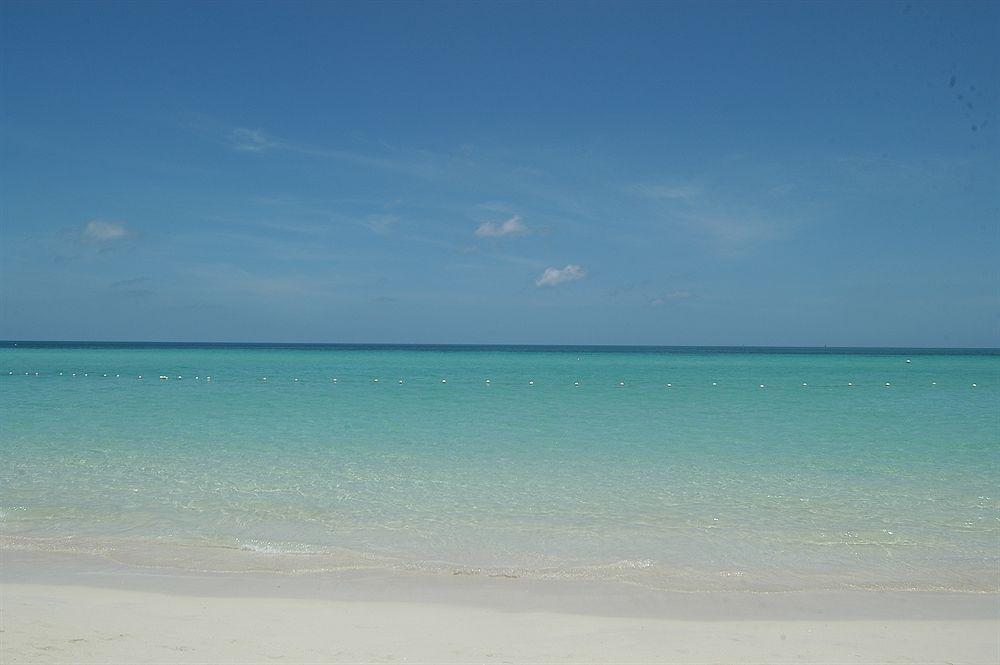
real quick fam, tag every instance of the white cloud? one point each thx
(554, 276)
(101, 232)
(511, 227)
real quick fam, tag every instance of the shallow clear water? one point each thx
(711, 483)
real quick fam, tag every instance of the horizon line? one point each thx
(193, 343)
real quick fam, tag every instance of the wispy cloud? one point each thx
(250, 140)
(669, 297)
(510, 227)
(101, 232)
(667, 191)
(128, 283)
(733, 234)
(556, 276)
(423, 164)
(381, 224)
(226, 278)
(134, 287)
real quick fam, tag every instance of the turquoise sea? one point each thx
(671, 468)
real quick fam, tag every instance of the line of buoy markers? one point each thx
(487, 381)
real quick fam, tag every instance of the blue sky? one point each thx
(705, 173)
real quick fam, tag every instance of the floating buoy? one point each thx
(140, 377)
(804, 385)
(670, 385)
(401, 382)
(444, 380)
(296, 380)
(60, 373)
(621, 383)
(487, 380)
(163, 378)
(104, 375)
(264, 379)
(118, 376)
(576, 383)
(762, 385)
(208, 378)
(714, 383)
(908, 361)
(887, 384)
(333, 380)
(973, 385)
(850, 385)
(531, 383)
(375, 380)
(933, 383)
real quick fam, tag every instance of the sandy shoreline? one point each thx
(71, 609)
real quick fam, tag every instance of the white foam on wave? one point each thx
(272, 547)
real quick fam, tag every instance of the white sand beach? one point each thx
(55, 610)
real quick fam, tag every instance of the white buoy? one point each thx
(105, 375)
(60, 373)
(670, 385)
(74, 373)
(531, 383)
(933, 383)
(400, 382)
(179, 378)
(208, 378)
(850, 385)
(887, 384)
(375, 380)
(264, 379)
(296, 380)
(576, 383)
(163, 378)
(908, 361)
(487, 380)
(140, 377)
(333, 380)
(973, 385)
(621, 383)
(118, 376)
(444, 380)
(714, 383)
(804, 385)
(762, 385)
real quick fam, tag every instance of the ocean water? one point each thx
(686, 469)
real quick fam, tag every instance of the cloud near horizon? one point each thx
(555, 276)
(511, 227)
